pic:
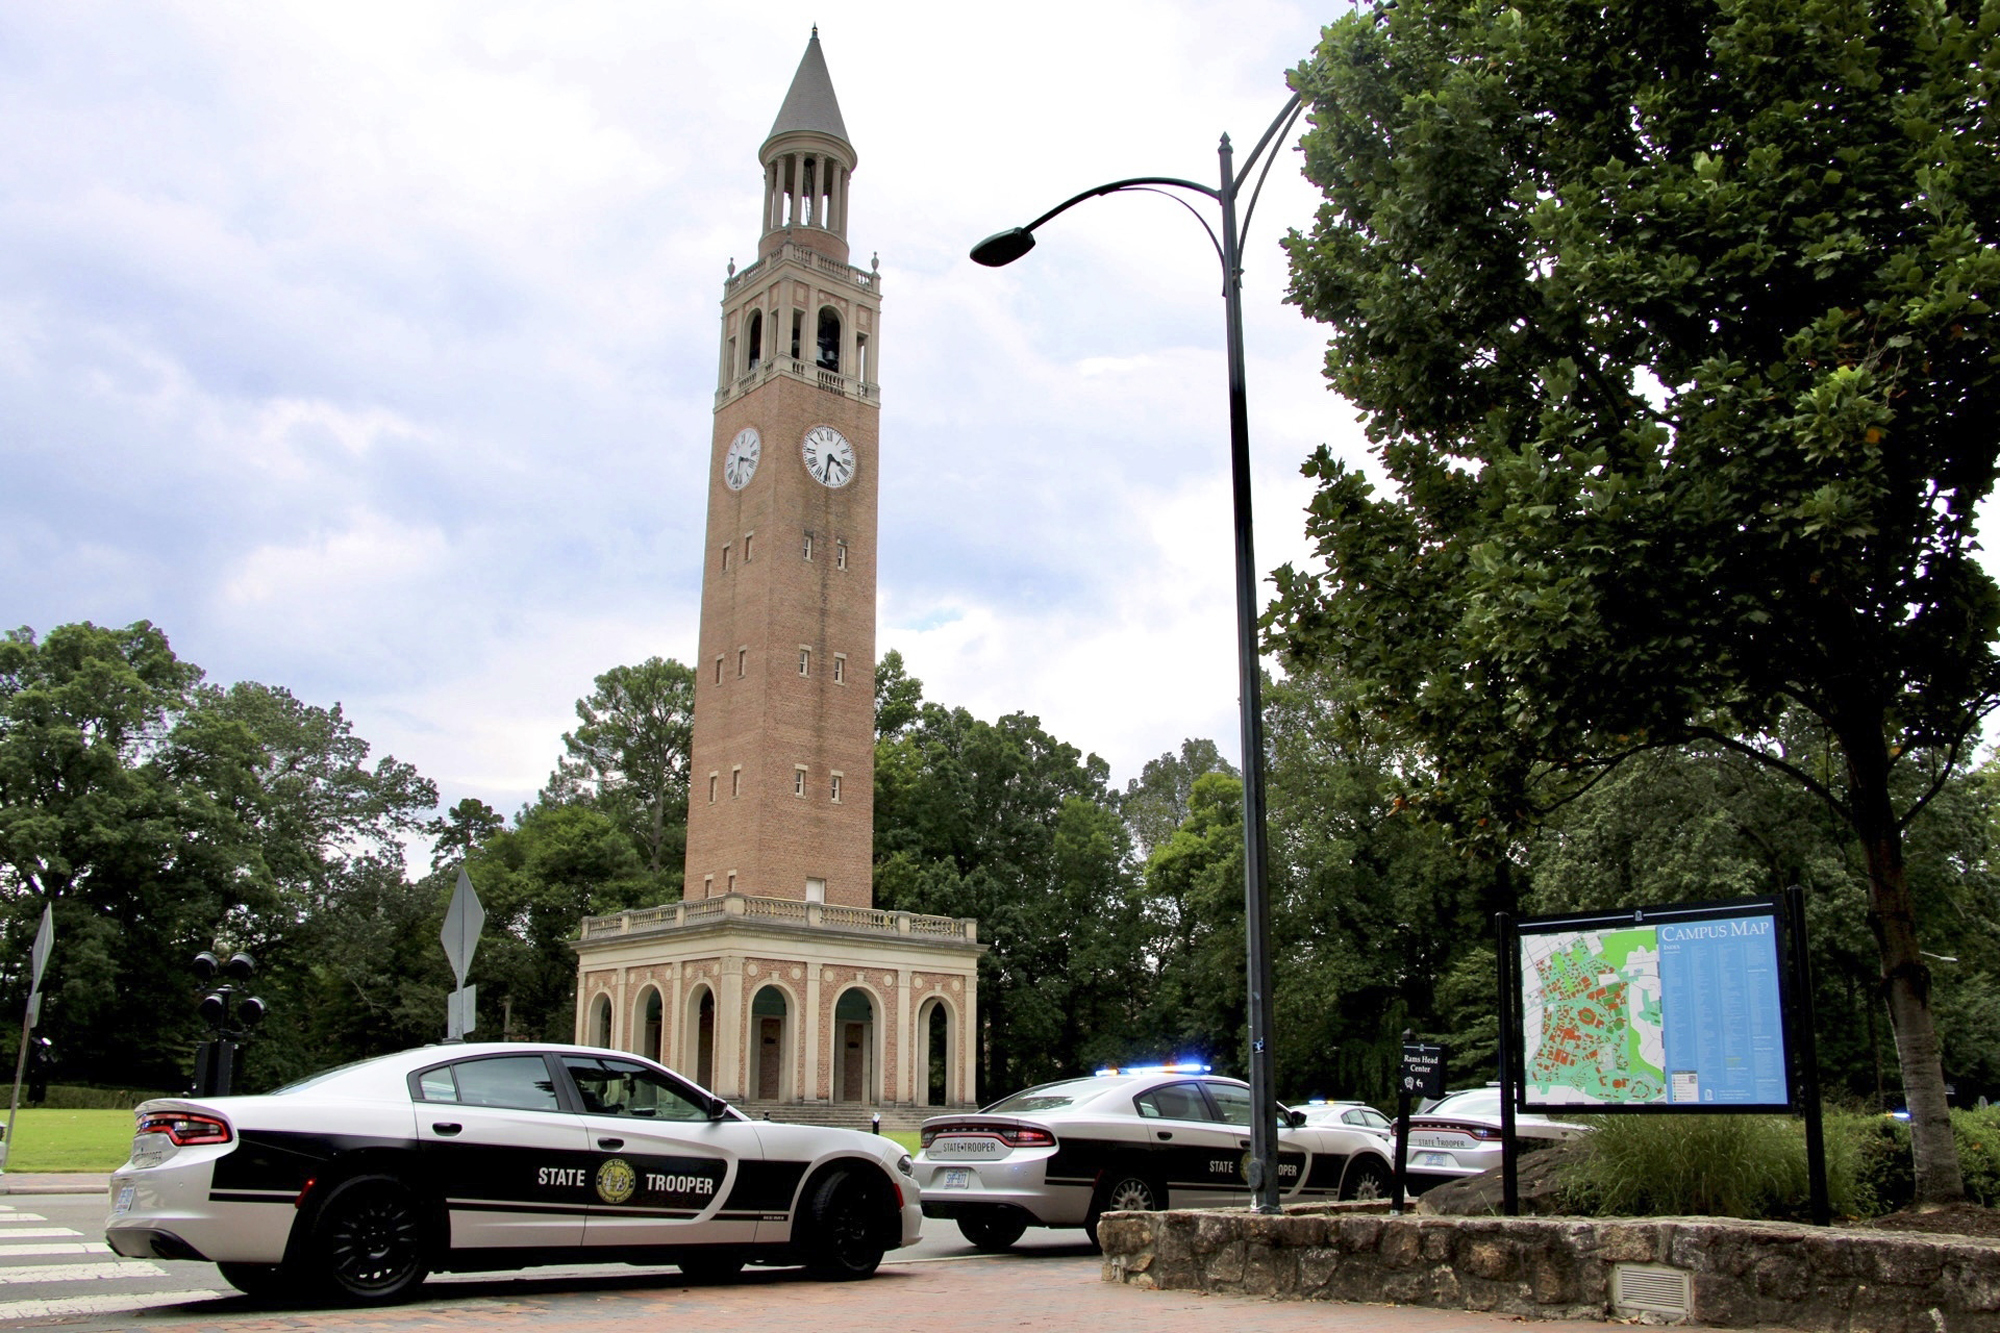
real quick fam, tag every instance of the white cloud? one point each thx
(369, 349)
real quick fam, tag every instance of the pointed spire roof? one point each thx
(810, 105)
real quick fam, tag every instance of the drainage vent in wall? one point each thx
(1650, 1289)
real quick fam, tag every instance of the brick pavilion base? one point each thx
(1734, 1274)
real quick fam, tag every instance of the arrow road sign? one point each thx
(462, 921)
(45, 940)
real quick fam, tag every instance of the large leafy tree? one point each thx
(1673, 329)
(629, 754)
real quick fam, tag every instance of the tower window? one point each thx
(718, 668)
(708, 886)
(799, 780)
(840, 668)
(809, 546)
(836, 788)
(736, 782)
(742, 663)
(713, 780)
(725, 556)
(829, 338)
(732, 881)
(748, 537)
(861, 357)
(815, 890)
(840, 555)
(755, 338)
(805, 660)
(798, 329)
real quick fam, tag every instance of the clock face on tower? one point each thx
(740, 463)
(829, 457)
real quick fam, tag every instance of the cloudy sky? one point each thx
(369, 349)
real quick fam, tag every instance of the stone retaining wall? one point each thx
(1742, 1273)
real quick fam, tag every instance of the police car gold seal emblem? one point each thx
(616, 1180)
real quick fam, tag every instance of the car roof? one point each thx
(376, 1074)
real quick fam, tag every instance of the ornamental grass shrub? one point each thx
(1710, 1165)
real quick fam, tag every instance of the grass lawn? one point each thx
(46, 1140)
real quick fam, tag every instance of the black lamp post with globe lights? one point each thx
(1006, 247)
(229, 1020)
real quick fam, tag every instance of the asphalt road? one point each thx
(54, 1265)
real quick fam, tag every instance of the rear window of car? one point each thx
(1478, 1101)
(1055, 1096)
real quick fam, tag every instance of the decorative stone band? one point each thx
(1730, 1274)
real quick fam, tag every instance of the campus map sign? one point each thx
(1654, 1008)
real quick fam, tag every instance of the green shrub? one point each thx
(75, 1097)
(1713, 1165)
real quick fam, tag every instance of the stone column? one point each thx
(906, 1041)
(812, 1031)
(729, 1063)
(968, 1064)
(671, 1017)
(621, 1022)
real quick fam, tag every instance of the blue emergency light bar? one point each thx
(1177, 1067)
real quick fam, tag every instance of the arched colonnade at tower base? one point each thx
(772, 1000)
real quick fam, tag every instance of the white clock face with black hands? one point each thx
(740, 463)
(829, 457)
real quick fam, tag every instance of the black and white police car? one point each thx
(1162, 1136)
(358, 1182)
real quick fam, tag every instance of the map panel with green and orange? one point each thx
(1591, 1017)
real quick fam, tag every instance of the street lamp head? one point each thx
(1003, 247)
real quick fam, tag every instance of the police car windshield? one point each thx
(1056, 1096)
(1477, 1101)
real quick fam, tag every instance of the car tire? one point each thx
(704, 1270)
(259, 1280)
(370, 1242)
(1367, 1178)
(995, 1232)
(843, 1236)
(1123, 1192)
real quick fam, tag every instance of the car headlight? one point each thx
(903, 1164)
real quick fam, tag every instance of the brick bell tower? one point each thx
(782, 797)
(774, 981)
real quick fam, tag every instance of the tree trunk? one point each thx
(1906, 981)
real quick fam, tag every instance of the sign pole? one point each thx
(1510, 1179)
(460, 936)
(1806, 1043)
(45, 939)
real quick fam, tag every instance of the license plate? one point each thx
(956, 1180)
(1432, 1159)
(123, 1203)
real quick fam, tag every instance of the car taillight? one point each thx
(1014, 1136)
(1484, 1133)
(185, 1129)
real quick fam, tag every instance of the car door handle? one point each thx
(1242, 1143)
(611, 1145)
(1164, 1133)
(446, 1127)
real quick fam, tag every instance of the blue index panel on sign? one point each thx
(1723, 1018)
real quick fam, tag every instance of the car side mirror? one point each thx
(718, 1109)
(1295, 1119)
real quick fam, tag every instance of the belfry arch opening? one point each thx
(854, 1047)
(770, 1045)
(600, 1021)
(934, 1052)
(753, 339)
(650, 1032)
(700, 1043)
(829, 338)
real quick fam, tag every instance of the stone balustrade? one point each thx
(783, 912)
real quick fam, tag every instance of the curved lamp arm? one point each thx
(1007, 246)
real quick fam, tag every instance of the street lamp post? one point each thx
(1004, 248)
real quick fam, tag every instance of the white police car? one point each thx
(358, 1182)
(1163, 1136)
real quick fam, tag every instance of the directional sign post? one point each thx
(38, 958)
(1422, 1075)
(462, 922)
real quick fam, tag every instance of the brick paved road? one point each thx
(1000, 1295)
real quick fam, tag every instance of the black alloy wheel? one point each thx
(993, 1232)
(1367, 1178)
(260, 1280)
(843, 1242)
(1123, 1194)
(369, 1245)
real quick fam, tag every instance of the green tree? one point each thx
(1157, 801)
(629, 753)
(1673, 329)
(899, 696)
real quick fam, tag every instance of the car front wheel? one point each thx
(843, 1242)
(1366, 1179)
(1123, 1194)
(369, 1245)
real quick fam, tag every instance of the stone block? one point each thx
(1316, 1268)
(1223, 1266)
(1552, 1276)
(1400, 1245)
(1627, 1242)
(1214, 1231)
(1360, 1234)
(1907, 1263)
(1781, 1275)
(1489, 1257)
(1126, 1233)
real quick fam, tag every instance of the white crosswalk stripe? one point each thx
(36, 1233)
(118, 1270)
(84, 1305)
(38, 1248)
(12, 1217)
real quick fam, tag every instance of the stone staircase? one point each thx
(844, 1115)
